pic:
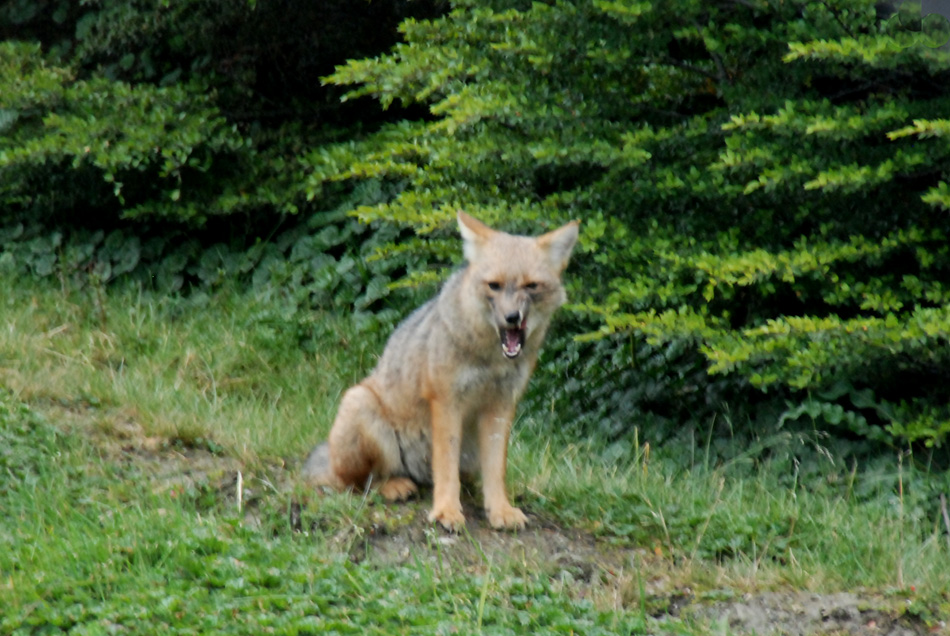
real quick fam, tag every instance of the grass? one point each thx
(89, 547)
(218, 368)
(746, 529)
(95, 539)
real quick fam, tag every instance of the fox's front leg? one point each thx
(446, 446)
(494, 427)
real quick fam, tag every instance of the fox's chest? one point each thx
(480, 383)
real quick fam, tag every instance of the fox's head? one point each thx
(518, 278)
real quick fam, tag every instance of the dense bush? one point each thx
(762, 186)
(163, 141)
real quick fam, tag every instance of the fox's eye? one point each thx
(494, 286)
(531, 286)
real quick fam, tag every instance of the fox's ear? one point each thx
(474, 234)
(559, 244)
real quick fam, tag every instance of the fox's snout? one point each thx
(511, 322)
(514, 318)
(510, 309)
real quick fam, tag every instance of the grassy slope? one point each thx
(87, 540)
(88, 547)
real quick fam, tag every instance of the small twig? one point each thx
(723, 74)
(240, 492)
(295, 523)
(946, 517)
(831, 9)
(691, 68)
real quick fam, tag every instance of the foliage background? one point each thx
(762, 184)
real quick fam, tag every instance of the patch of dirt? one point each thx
(402, 533)
(804, 614)
(588, 568)
(606, 574)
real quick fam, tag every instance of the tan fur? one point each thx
(441, 400)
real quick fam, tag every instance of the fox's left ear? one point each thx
(474, 233)
(559, 244)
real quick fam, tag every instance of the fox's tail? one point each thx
(316, 470)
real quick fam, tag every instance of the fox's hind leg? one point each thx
(364, 449)
(398, 488)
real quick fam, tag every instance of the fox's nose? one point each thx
(514, 318)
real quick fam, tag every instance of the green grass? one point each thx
(225, 367)
(94, 539)
(88, 547)
(747, 528)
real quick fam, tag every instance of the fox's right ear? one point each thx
(559, 244)
(474, 234)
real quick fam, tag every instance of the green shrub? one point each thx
(761, 186)
(147, 145)
(163, 143)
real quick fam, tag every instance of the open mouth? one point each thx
(512, 340)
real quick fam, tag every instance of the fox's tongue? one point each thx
(512, 340)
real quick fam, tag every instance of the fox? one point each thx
(439, 405)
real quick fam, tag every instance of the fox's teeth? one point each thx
(511, 341)
(511, 353)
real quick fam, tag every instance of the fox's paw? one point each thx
(507, 517)
(398, 489)
(450, 518)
